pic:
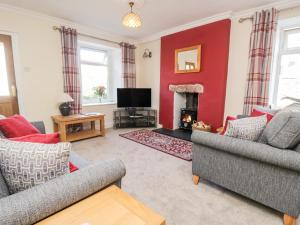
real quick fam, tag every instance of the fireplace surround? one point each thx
(185, 104)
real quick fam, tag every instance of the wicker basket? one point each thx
(207, 128)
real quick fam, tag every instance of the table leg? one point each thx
(55, 127)
(102, 128)
(93, 125)
(63, 132)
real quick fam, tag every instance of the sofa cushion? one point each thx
(266, 110)
(256, 113)
(24, 165)
(283, 130)
(3, 187)
(248, 128)
(17, 126)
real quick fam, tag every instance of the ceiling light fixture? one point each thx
(131, 19)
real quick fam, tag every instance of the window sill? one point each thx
(99, 104)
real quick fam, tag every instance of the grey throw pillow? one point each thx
(24, 165)
(249, 128)
(283, 131)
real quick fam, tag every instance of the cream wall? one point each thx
(38, 63)
(149, 70)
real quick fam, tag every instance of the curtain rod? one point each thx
(90, 36)
(247, 18)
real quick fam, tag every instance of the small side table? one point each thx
(60, 124)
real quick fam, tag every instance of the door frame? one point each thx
(17, 67)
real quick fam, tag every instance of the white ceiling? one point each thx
(157, 15)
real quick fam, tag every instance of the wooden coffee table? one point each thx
(60, 124)
(111, 206)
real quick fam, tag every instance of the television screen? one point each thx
(133, 97)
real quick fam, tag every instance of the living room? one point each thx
(148, 112)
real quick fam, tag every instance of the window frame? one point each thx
(281, 50)
(83, 45)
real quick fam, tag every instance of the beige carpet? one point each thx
(163, 183)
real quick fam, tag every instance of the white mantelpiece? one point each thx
(180, 98)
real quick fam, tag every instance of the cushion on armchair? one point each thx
(24, 165)
(17, 126)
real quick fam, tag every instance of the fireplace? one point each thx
(185, 104)
(188, 116)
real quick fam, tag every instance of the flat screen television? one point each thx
(133, 97)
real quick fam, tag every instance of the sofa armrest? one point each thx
(40, 126)
(285, 158)
(34, 204)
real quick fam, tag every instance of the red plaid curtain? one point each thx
(260, 58)
(70, 67)
(128, 64)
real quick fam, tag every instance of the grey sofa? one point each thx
(268, 175)
(34, 204)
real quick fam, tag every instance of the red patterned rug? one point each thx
(170, 145)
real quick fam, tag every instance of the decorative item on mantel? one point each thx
(65, 107)
(99, 91)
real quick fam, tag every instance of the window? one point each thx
(4, 89)
(100, 69)
(94, 75)
(286, 73)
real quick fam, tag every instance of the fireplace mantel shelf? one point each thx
(187, 88)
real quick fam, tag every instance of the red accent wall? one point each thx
(214, 39)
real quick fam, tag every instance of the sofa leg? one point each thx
(196, 179)
(289, 220)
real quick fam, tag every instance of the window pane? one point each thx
(289, 80)
(4, 89)
(91, 77)
(293, 39)
(94, 56)
(290, 65)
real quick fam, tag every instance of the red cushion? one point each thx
(256, 113)
(226, 123)
(72, 167)
(39, 138)
(17, 126)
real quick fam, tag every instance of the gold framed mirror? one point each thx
(187, 60)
